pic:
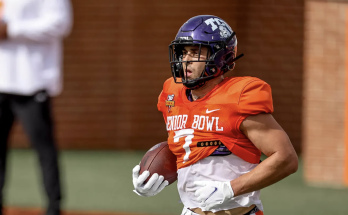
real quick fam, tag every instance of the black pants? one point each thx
(34, 113)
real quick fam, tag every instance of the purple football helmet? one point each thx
(209, 31)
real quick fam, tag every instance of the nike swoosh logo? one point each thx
(210, 111)
(211, 194)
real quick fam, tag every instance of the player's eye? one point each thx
(184, 54)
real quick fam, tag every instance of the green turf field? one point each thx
(101, 181)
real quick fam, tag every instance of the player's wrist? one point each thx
(227, 187)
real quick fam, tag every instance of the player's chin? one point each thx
(187, 79)
(191, 78)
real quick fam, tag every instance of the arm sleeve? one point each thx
(54, 22)
(255, 98)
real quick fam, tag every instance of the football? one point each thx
(159, 159)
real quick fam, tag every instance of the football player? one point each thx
(218, 126)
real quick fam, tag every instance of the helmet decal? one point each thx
(216, 23)
(224, 33)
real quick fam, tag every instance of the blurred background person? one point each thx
(31, 34)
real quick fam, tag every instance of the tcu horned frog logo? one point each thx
(216, 23)
(170, 102)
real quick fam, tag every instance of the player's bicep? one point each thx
(266, 134)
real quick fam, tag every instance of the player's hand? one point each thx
(212, 193)
(154, 185)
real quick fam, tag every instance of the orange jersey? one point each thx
(195, 129)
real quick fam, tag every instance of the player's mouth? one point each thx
(188, 73)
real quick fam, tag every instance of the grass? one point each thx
(102, 181)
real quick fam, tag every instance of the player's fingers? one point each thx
(200, 195)
(199, 191)
(190, 187)
(157, 183)
(142, 177)
(200, 183)
(162, 186)
(200, 198)
(191, 190)
(151, 182)
(136, 171)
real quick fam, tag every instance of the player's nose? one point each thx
(187, 57)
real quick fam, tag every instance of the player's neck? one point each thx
(206, 88)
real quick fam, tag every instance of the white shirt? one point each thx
(216, 168)
(31, 57)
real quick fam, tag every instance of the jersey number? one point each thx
(188, 133)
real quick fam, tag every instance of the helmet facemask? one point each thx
(179, 67)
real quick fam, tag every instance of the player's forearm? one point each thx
(271, 170)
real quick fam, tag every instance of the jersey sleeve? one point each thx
(159, 100)
(255, 98)
(162, 95)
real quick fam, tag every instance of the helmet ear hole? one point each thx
(231, 67)
(212, 70)
(229, 58)
(228, 62)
